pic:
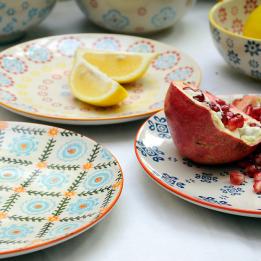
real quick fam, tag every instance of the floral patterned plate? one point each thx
(54, 185)
(205, 186)
(34, 79)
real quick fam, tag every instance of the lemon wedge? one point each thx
(252, 27)
(90, 85)
(123, 67)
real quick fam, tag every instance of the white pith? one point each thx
(250, 135)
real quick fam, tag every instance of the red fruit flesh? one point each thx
(257, 176)
(236, 177)
(195, 133)
(251, 170)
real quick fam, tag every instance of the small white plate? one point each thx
(54, 185)
(205, 186)
(34, 79)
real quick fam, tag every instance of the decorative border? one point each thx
(229, 210)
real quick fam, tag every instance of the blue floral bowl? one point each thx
(18, 16)
(135, 16)
(226, 23)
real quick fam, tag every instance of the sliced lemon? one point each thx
(252, 27)
(123, 67)
(90, 85)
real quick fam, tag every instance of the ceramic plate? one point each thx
(205, 186)
(34, 79)
(54, 184)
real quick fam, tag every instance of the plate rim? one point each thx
(185, 196)
(76, 232)
(87, 120)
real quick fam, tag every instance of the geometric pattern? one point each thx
(53, 182)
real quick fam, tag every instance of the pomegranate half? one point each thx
(206, 129)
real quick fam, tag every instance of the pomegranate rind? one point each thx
(246, 100)
(195, 133)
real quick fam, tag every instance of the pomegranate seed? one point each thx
(236, 122)
(257, 187)
(214, 107)
(256, 113)
(251, 170)
(236, 177)
(225, 107)
(258, 159)
(257, 176)
(230, 114)
(220, 102)
(252, 124)
(200, 97)
(249, 109)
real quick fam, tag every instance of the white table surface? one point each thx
(148, 223)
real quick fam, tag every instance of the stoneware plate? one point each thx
(34, 79)
(205, 186)
(54, 185)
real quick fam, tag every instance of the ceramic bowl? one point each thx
(18, 16)
(226, 22)
(135, 16)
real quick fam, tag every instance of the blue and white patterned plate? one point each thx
(54, 185)
(205, 186)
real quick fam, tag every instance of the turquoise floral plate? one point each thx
(54, 185)
(205, 186)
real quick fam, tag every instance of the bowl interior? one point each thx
(231, 15)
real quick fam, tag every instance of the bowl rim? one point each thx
(221, 28)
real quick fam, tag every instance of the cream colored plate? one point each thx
(34, 79)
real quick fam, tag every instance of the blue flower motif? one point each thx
(141, 47)
(230, 43)
(216, 35)
(63, 229)
(14, 231)
(10, 11)
(4, 80)
(37, 206)
(160, 126)
(253, 64)
(98, 179)
(9, 28)
(2, 5)
(172, 181)
(233, 57)
(215, 201)
(72, 150)
(25, 5)
(166, 61)
(152, 152)
(179, 74)
(81, 206)
(256, 74)
(32, 13)
(39, 54)
(105, 154)
(23, 145)
(7, 96)
(53, 180)
(107, 43)
(10, 174)
(114, 20)
(13, 65)
(206, 177)
(253, 48)
(68, 46)
(232, 190)
(165, 17)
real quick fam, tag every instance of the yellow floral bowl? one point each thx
(226, 24)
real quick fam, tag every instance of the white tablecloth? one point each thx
(148, 223)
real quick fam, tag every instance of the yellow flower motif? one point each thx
(19, 189)
(53, 218)
(41, 165)
(3, 125)
(53, 132)
(116, 185)
(87, 166)
(69, 194)
(3, 215)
